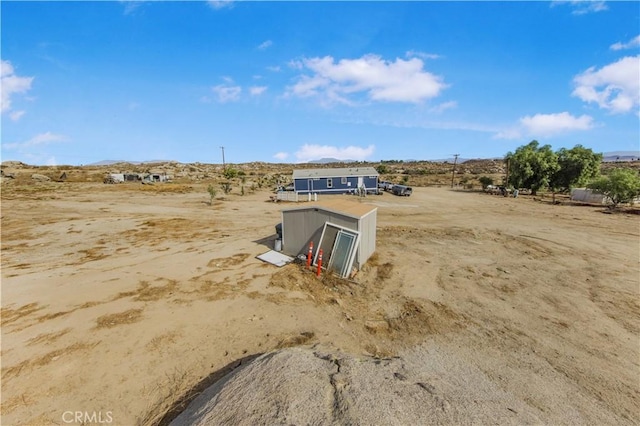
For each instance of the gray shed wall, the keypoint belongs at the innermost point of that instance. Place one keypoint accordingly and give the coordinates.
(299, 227)
(367, 230)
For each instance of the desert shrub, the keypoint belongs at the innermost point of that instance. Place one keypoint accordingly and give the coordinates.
(230, 173)
(212, 194)
(226, 187)
(382, 169)
(485, 181)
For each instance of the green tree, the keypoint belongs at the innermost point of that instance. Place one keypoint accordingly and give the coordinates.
(382, 169)
(212, 194)
(621, 186)
(485, 181)
(532, 166)
(578, 166)
(230, 173)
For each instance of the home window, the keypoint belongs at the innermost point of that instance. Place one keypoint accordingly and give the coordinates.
(329, 183)
(343, 180)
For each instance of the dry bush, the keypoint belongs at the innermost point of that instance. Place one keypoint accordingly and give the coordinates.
(28, 364)
(48, 337)
(147, 293)
(162, 340)
(166, 188)
(112, 320)
(384, 271)
(226, 262)
(8, 315)
(296, 340)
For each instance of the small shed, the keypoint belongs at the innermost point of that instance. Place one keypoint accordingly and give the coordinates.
(323, 222)
(157, 177)
(335, 180)
(116, 177)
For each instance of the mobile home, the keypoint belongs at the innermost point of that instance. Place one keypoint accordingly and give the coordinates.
(335, 181)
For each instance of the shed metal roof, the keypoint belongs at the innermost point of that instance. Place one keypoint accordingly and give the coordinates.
(335, 172)
(340, 206)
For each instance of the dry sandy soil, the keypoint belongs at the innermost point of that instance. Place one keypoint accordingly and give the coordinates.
(121, 299)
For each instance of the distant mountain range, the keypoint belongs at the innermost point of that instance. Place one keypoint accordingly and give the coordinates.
(607, 157)
(621, 156)
(109, 162)
(329, 160)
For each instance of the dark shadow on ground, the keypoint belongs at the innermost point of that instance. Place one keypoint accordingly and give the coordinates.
(267, 241)
(183, 402)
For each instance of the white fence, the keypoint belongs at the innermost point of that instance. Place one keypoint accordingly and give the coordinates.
(287, 196)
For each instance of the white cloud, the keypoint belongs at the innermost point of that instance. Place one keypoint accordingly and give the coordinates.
(264, 45)
(281, 156)
(546, 125)
(227, 93)
(34, 151)
(11, 84)
(634, 42)
(509, 133)
(551, 124)
(296, 64)
(274, 68)
(16, 115)
(310, 152)
(38, 140)
(220, 4)
(131, 6)
(582, 7)
(257, 90)
(443, 107)
(423, 55)
(615, 87)
(398, 81)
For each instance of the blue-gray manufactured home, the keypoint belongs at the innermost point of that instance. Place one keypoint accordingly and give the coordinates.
(335, 181)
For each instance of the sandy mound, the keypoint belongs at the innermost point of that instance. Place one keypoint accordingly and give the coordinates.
(307, 386)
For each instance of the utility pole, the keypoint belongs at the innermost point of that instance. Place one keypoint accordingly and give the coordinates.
(224, 167)
(453, 172)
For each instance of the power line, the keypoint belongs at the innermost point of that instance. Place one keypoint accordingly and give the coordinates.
(223, 164)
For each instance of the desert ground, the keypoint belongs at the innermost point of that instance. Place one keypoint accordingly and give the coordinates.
(123, 300)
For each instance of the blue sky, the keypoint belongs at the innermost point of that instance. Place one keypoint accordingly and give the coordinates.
(297, 81)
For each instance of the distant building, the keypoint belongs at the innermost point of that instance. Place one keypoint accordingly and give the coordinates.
(335, 181)
(116, 177)
(157, 177)
(131, 177)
